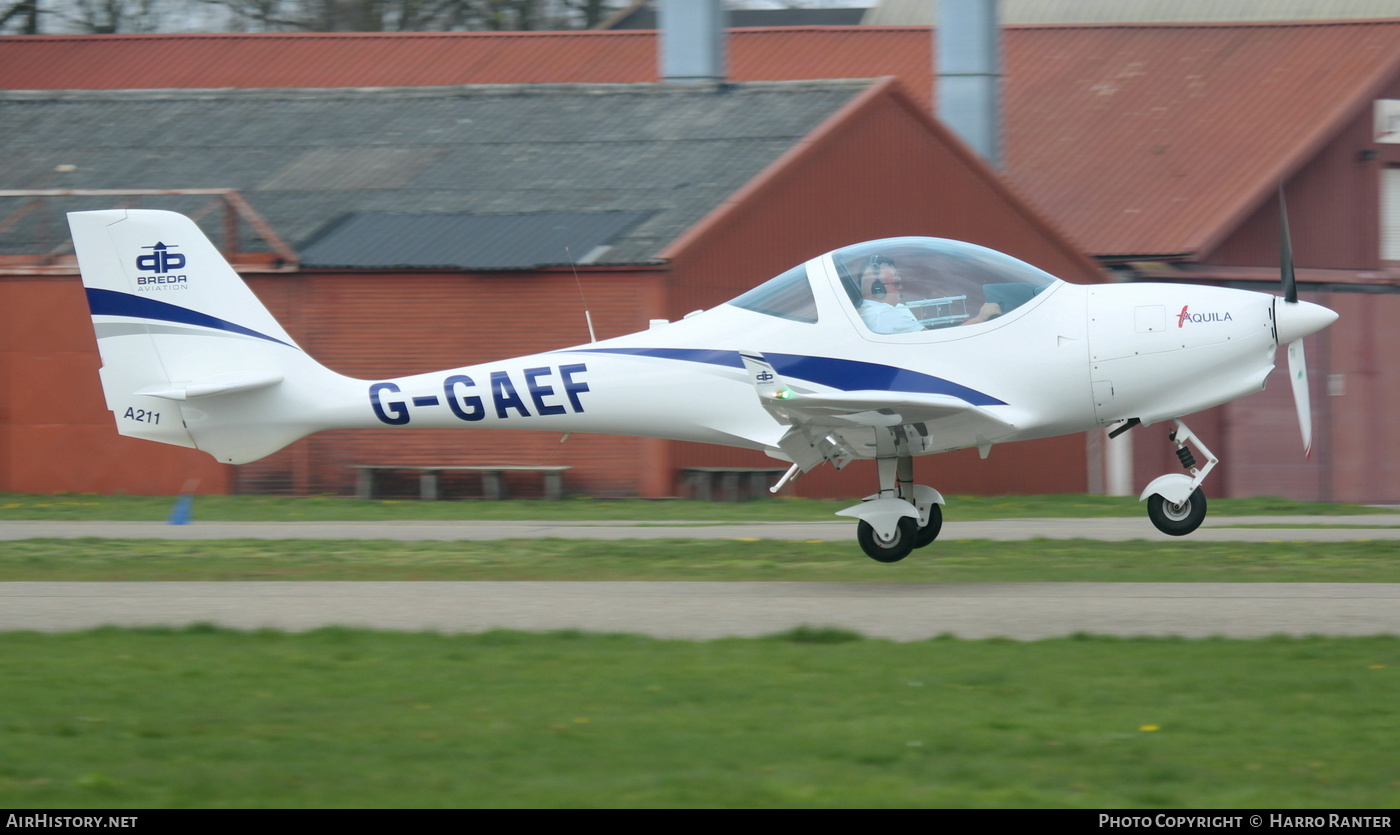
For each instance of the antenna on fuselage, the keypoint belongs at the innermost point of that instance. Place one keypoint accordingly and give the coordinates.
(587, 317)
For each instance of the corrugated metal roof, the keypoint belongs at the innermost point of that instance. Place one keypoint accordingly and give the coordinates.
(643, 16)
(915, 12)
(380, 240)
(1137, 139)
(669, 152)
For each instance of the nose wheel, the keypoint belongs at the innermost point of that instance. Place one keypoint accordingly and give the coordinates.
(1179, 518)
(1175, 503)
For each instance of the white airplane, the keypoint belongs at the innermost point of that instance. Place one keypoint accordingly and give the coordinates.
(816, 365)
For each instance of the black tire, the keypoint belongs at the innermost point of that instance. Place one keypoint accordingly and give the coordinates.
(896, 548)
(928, 533)
(1177, 519)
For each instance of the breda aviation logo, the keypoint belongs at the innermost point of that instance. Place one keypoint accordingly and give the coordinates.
(163, 262)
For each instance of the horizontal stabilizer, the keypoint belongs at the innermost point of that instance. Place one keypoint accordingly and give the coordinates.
(222, 384)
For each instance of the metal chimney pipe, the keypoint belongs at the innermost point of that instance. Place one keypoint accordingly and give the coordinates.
(969, 74)
(692, 40)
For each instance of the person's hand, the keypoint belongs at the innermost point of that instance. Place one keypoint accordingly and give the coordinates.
(990, 310)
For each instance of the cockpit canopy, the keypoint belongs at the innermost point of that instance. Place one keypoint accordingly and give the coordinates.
(942, 283)
(908, 284)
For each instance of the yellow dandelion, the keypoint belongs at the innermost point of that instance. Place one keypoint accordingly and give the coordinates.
(1149, 728)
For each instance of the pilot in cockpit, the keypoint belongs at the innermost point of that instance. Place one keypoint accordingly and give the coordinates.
(882, 305)
(882, 296)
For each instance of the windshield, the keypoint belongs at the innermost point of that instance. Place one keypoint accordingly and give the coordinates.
(904, 285)
(789, 296)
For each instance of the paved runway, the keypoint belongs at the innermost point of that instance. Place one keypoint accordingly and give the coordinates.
(1216, 529)
(699, 610)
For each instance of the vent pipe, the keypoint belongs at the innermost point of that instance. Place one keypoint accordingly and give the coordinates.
(692, 40)
(969, 74)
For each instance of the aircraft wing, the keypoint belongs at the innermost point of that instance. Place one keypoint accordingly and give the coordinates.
(877, 408)
(817, 418)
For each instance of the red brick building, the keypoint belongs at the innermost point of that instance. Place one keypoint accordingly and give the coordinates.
(734, 184)
(1158, 148)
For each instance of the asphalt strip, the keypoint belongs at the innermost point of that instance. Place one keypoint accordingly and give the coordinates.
(706, 610)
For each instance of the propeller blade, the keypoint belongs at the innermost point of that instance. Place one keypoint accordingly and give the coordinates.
(1285, 258)
(1298, 375)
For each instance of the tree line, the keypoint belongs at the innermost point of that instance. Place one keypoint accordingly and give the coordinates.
(107, 17)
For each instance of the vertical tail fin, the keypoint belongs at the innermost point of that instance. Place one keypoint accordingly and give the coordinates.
(176, 324)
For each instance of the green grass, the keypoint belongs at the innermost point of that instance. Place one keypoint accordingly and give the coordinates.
(75, 507)
(1311, 526)
(206, 718)
(1042, 560)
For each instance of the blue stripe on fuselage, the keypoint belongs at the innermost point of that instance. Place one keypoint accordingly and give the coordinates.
(111, 303)
(846, 375)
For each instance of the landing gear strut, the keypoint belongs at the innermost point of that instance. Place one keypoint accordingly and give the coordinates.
(903, 515)
(928, 531)
(1175, 503)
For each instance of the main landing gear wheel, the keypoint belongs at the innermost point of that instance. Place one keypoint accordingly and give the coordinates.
(928, 533)
(893, 549)
(1177, 519)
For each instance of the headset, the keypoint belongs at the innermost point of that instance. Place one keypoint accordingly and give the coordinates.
(877, 287)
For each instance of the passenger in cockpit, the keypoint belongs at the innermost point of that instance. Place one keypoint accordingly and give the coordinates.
(881, 306)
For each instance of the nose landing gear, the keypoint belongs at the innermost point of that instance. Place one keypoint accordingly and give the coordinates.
(1175, 503)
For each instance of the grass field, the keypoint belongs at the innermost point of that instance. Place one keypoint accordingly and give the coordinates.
(75, 507)
(203, 717)
(342, 718)
(1043, 560)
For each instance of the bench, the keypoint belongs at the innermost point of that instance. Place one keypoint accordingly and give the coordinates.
(492, 484)
(730, 484)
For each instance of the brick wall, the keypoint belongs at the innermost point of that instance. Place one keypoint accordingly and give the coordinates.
(56, 435)
(375, 326)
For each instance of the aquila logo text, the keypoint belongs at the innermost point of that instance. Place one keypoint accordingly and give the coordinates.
(1200, 318)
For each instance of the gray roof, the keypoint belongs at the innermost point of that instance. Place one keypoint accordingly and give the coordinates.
(380, 240)
(643, 16)
(306, 158)
(1012, 12)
